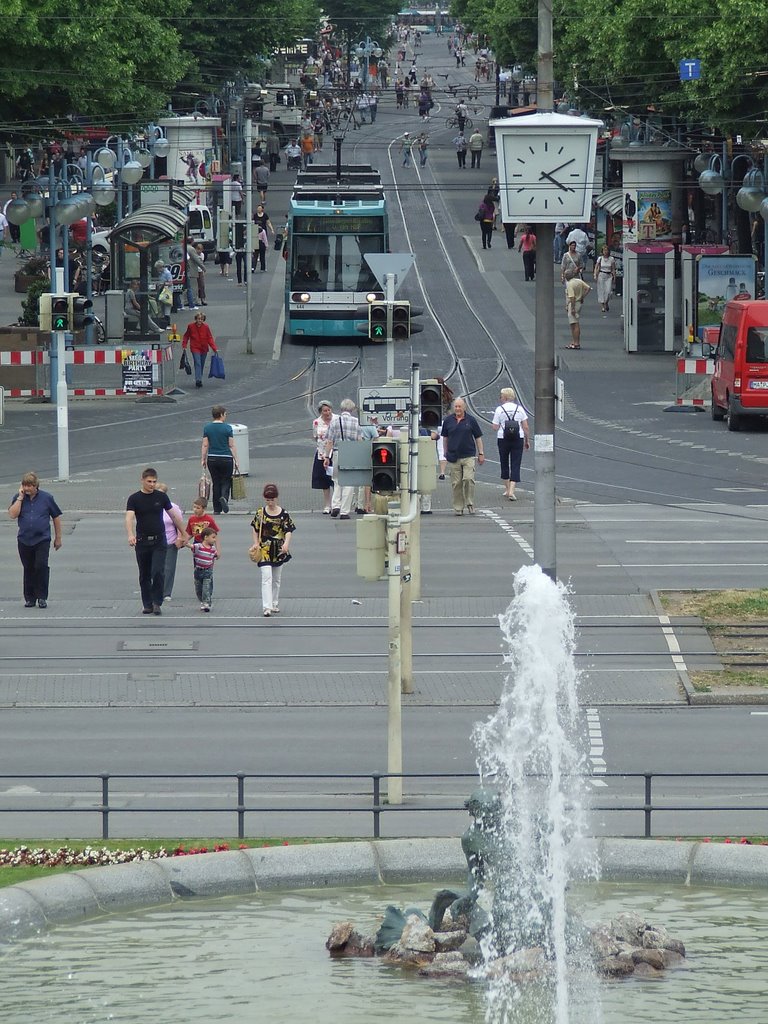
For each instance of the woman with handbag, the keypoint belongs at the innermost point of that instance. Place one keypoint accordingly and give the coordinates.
(322, 476)
(272, 529)
(200, 340)
(219, 455)
(164, 291)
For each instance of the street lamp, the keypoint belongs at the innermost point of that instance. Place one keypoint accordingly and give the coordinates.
(365, 51)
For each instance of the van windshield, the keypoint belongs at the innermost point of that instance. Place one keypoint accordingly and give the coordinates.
(757, 345)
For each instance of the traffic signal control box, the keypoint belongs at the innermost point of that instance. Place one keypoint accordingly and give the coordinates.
(431, 404)
(377, 321)
(385, 467)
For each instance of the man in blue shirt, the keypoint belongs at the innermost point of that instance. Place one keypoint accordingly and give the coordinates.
(35, 509)
(463, 445)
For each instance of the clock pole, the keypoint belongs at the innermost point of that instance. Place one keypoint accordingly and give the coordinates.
(544, 494)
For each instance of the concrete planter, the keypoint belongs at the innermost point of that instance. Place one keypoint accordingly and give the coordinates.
(21, 282)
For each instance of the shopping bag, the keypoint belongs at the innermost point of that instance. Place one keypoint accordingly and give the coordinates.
(165, 298)
(204, 486)
(217, 366)
(184, 362)
(238, 486)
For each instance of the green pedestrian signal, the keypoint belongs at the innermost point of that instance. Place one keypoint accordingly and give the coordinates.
(377, 321)
(60, 318)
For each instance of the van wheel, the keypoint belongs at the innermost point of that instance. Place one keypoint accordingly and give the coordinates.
(716, 411)
(734, 420)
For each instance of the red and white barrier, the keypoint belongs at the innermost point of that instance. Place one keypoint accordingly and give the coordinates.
(690, 392)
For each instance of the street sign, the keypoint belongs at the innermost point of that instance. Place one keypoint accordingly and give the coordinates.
(690, 70)
(395, 263)
(389, 405)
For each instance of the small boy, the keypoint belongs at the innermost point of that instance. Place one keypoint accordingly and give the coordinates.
(200, 520)
(204, 554)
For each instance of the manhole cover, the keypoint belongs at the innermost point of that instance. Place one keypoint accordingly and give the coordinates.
(157, 645)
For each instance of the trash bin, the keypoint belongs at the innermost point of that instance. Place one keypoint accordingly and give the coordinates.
(241, 447)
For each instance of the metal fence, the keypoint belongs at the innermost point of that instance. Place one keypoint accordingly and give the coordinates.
(246, 799)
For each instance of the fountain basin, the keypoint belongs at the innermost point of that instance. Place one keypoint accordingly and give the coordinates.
(31, 907)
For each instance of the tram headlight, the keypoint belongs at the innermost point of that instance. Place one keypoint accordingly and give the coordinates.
(304, 297)
(370, 297)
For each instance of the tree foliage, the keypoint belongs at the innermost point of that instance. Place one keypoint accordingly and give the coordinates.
(98, 58)
(356, 19)
(230, 37)
(510, 25)
(627, 53)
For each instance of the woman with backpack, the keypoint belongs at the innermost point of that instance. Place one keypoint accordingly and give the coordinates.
(510, 421)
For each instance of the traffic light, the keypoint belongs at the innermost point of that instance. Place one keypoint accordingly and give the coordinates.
(431, 404)
(377, 321)
(82, 316)
(61, 312)
(44, 311)
(385, 468)
(401, 320)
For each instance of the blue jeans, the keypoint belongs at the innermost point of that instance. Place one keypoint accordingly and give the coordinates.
(198, 359)
(191, 300)
(204, 585)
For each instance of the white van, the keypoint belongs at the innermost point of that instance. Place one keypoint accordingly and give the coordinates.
(200, 227)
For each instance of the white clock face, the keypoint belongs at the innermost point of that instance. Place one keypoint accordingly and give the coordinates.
(545, 177)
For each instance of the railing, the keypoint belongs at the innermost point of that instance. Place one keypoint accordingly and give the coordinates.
(377, 805)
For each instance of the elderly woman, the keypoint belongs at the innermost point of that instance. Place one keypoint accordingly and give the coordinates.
(164, 279)
(605, 276)
(572, 264)
(510, 421)
(322, 478)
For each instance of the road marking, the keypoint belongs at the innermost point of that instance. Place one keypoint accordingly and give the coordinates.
(681, 542)
(596, 747)
(509, 529)
(668, 633)
(278, 342)
(683, 565)
(758, 712)
(475, 253)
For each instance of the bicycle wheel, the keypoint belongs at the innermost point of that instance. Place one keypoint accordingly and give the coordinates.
(468, 122)
(99, 331)
(472, 92)
(450, 122)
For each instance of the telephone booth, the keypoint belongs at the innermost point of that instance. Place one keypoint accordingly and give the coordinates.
(689, 274)
(649, 287)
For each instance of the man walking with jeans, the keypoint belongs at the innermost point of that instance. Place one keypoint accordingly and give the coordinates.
(35, 510)
(463, 444)
(146, 535)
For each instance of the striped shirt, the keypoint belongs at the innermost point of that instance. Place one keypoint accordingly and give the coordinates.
(203, 556)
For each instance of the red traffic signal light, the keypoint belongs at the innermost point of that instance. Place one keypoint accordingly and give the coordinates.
(385, 468)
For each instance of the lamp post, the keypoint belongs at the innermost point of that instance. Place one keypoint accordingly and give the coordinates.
(365, 51)
(157, 144)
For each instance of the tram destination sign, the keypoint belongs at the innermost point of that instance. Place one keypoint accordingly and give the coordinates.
(388, 405)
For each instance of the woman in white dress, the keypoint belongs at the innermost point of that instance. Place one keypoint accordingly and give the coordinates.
(321, 480)
(605, 276)
(510, 420)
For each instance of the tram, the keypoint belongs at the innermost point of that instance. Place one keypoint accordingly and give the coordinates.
(336, 216)
(426, 19)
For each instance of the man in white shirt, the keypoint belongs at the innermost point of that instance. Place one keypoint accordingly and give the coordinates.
(581, 238)
(13, 229)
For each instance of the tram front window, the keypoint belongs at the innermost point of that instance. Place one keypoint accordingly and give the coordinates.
(334, 262)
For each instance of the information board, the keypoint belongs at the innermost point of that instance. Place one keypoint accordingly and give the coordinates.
(387, 405)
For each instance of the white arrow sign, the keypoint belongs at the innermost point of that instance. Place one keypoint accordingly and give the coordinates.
(396, 263)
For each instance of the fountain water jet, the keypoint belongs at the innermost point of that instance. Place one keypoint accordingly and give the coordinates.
(529, 750)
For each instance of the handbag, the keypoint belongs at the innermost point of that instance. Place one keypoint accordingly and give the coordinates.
(184, 362)
(217, 367)
(238, 486)
(165, 296)
(478, 216)
(204, 485)
(278, 242)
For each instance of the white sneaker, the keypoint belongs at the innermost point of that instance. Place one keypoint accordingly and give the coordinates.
(275, 611)
(167, 598)
(202, 607)
(267, 612)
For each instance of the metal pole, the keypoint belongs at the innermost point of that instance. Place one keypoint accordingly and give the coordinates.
(389, 295)
(62, 411)
(394, 703)
(544, 543)
(248, 234)
(409, 487)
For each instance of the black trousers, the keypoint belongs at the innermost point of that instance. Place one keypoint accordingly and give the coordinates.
(475, 154)
(486, 232)
(510, 457)
(150, 558)
(34, 560)
(220, 467)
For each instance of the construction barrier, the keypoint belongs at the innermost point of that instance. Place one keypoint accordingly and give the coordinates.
(92, 373)
(692, 379)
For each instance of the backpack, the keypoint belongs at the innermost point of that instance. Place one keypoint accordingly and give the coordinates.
(511, 427)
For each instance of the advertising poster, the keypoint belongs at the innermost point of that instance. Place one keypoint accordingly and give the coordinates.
(720, 279)
(629, 217)
(137, 372)
(654, 214)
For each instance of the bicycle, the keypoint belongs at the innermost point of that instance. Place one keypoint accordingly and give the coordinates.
(453, 122)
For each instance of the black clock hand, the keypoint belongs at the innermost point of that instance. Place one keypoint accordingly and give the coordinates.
(554, 181)
(556, 169)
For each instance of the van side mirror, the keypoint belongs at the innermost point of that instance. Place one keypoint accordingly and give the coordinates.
(709, 351)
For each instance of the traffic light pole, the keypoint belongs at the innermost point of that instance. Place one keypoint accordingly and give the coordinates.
(389, 295)
(400, 672)
(248, 234)
(62, 408)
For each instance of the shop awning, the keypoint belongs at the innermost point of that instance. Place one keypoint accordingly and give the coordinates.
(163, 220)
(611, 200)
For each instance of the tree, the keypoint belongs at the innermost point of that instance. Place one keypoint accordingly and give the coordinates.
(625, 53)
(231, 36)
(101, 58)
(510, 25)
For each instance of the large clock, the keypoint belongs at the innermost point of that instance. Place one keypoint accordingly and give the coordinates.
(546, 167)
